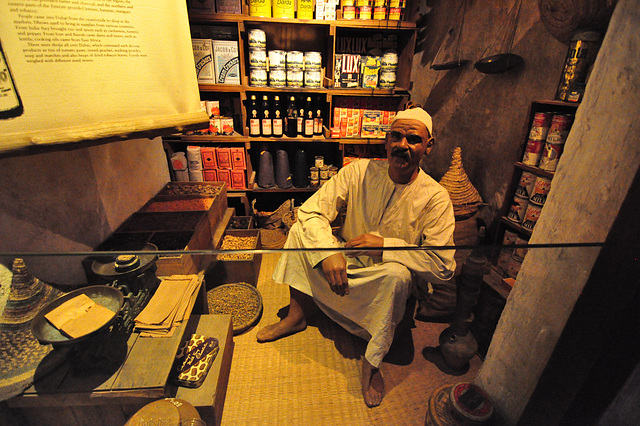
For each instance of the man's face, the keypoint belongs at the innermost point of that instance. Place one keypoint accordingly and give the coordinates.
(406, 143)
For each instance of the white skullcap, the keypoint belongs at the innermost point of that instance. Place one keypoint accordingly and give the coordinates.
(416, 114)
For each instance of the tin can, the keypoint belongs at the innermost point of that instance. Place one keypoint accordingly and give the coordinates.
(503, 260)
(532, 152)
(531, 216)
(517, 209)
(258, 77)
(515, 263)
(324, 172)
(277, 59)
(525, 186)
(294, 77)
(323, 181)
(284, 9)
(348, 12)
(305, 9)
(521, 252)
(509, 238)
(315, 173)
(277, 78)
(295, 59)
(559, 129)
(582, 52)
(312, 60)
(395, 13)
(257, 39)
(360, 3)
(314, 183)
(333, 170)
(379, 3)
(347, 2)
(387, 79)
(540, 126)
(396, 3)
(312, 78)
(389, 61)
(261, 8)
(258, 58)
(380, 13)
(319, 161)
(365, 12)
(540, 190)
(550, 156)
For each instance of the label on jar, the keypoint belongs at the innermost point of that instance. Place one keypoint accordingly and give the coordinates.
(312, 78)
(258, 58)
(387, 79)
(257, 39)
(294, 77)
(389, 61)
(277, 78)
(258, 77)
(312, 60)
(295, 59)
(319, 161)
(380, 13)
(261, 8)
(277, 59)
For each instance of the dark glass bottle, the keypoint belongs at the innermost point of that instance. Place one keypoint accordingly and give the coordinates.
(308, 118)
(10, 102)
(278, 121)
(292, 118)
(318, 121)
(265, 117)
(254, 117)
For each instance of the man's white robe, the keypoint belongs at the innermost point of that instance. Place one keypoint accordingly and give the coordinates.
(419, 213)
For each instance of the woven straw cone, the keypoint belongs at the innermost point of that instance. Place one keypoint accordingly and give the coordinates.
(464, 196)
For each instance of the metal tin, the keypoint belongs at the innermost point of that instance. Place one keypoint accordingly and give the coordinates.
(365, 12)
(559, 128)
(312, 60)
(324, 172)
(257, 39)
(515, 263)
(379, 3)
(509, 238)
(314, 183)
(521, 241)
(541, 188)
(582, 52)
(312, 78)
(258, 77)
(525, 186)
(380, 13)
(531, 216)
(389, 61)
(360, 3)
(261, 8)
(295, 59)
(532, 152)
(540, 126)
(333, 170)
(348, 12)
(517, 209)
(387, 79)
(277, 78)
(550, 156)
(258, 58)
(347, 3)
(315, 173)
(294, 77)
(319, 161)
(277, 59)
(284, 9)
(395, 13)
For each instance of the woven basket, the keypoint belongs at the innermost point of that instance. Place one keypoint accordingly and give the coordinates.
(464, 196)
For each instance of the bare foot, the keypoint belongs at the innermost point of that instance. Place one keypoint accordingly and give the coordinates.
(372, 384)
(283, 328)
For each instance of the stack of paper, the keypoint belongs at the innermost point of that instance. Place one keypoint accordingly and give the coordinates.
(168, 306)
(79, 316)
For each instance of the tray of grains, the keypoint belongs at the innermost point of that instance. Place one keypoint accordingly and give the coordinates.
(189, 204)
(191, 188)
(240, 300)
(232, 242)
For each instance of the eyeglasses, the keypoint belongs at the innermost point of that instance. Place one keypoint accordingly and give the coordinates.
(397, 136)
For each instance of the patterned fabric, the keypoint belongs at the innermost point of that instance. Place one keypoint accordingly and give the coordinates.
(194, 359)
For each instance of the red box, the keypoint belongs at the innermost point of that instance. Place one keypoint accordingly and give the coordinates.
(210, 175)
(208, 158)
(238, 158)
(237, 179)
(224, 158)
(225, 176)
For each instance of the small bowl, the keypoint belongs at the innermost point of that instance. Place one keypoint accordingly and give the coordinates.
(47, 334)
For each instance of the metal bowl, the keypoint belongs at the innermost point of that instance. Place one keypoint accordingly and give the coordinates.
(41, 328)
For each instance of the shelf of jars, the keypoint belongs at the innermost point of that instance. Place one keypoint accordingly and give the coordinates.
(375, 24)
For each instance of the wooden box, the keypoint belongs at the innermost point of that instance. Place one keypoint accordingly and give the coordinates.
(226, 271)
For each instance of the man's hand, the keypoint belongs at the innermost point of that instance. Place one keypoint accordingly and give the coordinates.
(365, 240)
(334, 268)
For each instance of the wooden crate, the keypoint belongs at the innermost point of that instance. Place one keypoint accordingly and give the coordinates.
(240, 270)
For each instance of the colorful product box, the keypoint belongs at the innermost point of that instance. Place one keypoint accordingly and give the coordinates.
(226, 61)
(370, 69)
(238, 159)
(208, 158)
(210, 175)
(225, 176)
(237, 179)
(223, 155)
(203, 56)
